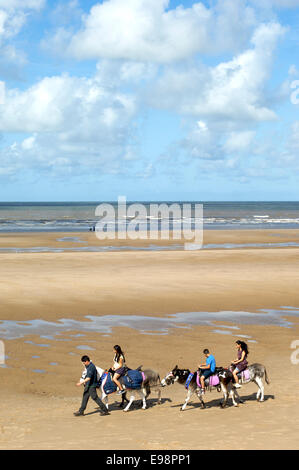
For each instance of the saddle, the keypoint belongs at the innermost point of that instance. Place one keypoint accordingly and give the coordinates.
(244, 375)
(107, 383)
(131, 380)
(212, 381)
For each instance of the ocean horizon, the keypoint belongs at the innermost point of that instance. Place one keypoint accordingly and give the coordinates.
(79, 216)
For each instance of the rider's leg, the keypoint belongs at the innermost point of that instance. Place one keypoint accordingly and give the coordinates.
(236, 384)
(117, 382)
(202, 381)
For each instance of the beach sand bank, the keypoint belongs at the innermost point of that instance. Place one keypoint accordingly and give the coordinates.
(38, 393)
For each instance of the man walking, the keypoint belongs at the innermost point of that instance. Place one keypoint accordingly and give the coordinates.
(90, 383)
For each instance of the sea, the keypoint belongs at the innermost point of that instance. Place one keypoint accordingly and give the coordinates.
(81, 216)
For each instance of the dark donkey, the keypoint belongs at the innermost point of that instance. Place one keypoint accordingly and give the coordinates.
(181, 376)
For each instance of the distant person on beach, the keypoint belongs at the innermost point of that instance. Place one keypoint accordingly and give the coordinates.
(239, 364)
(207, 369)
(90, 384)
(119, 367)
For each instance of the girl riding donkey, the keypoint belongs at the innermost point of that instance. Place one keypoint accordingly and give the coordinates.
(240, 363)
(119, 367)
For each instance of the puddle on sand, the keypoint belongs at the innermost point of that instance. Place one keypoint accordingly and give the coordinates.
(147, 325)
(70, 239)
(37, 344)
(151, 247)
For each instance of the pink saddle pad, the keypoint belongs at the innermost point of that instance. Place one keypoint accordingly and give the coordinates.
(245, 375)
(214, 380)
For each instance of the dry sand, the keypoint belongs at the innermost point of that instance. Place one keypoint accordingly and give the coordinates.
(37, 408)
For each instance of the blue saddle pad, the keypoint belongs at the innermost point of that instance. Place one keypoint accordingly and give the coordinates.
(109, 385)
(133, 379)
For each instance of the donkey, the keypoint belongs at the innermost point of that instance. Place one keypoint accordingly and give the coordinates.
(254, 373)
(149, 379)
(184, 377)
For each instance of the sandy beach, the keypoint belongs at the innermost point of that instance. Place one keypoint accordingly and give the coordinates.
(38, 392)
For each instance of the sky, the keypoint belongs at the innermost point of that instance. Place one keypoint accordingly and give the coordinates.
(149, 99)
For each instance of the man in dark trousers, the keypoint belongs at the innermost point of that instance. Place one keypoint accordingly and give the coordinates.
(90, 384)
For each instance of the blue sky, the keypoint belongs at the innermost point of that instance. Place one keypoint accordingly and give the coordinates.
(152, 99)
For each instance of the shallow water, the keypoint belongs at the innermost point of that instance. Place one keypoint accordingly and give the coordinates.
(80, 216)
(174, 247)
(147, 325)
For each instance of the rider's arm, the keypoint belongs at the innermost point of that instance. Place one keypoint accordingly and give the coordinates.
(242, 358)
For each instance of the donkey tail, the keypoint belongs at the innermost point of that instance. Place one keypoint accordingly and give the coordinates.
(266, 377)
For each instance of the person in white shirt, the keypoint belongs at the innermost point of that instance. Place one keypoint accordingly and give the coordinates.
(119, 367)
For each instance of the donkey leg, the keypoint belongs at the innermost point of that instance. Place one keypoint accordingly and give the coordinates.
(142, 394)
(233, 395)
(225, 395)
(237, 396)
(260, 392)
(200, 396)
(123, 400)
(105, 400)
(189, 394)
(132, 398)
(159, 397)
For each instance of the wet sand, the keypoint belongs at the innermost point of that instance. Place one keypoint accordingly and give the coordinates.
(38, 392)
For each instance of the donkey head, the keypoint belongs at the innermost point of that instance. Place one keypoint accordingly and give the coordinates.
(170, 378)
(173, 376)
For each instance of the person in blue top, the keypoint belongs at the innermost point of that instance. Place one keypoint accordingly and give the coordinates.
(207, 369)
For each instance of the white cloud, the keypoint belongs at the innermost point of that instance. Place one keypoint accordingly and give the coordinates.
(74, 125)
(150, 30)
(239, 141)
(13, 16)
(28, 143)
(212, 144)
(65, 104)
(232, 92)
(22, 4)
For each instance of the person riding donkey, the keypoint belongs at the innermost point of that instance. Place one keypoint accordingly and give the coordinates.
(239, 364)
(119, 367)
(207, 369)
